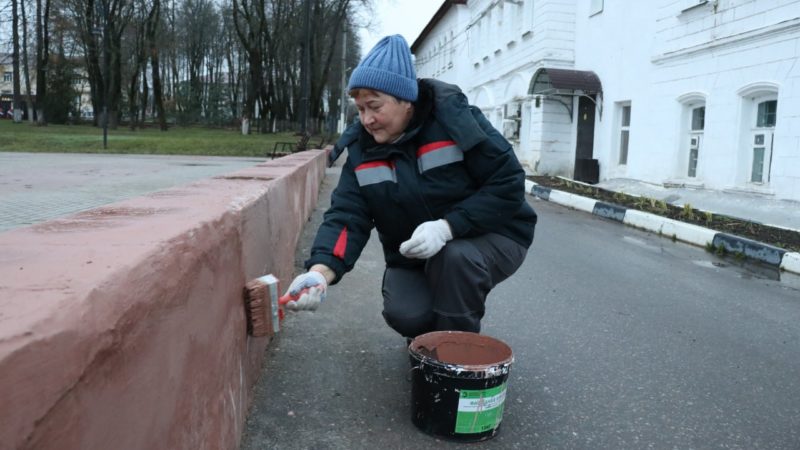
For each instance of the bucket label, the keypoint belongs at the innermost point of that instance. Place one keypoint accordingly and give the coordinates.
(480, 411)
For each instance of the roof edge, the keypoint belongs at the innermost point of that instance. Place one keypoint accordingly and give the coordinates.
(437, 16)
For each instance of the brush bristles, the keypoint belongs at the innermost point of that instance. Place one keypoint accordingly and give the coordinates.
(258, 310)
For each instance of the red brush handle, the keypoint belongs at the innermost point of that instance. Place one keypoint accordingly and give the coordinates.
(292, 298)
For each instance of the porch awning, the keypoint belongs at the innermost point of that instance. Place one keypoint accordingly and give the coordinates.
(564, 82)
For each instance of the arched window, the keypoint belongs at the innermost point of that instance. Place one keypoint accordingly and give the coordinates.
(759, 117)
(692, 131)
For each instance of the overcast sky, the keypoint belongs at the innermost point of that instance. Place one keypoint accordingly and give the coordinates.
(406, 17)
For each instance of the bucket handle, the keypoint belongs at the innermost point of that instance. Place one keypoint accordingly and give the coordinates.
(408, 374)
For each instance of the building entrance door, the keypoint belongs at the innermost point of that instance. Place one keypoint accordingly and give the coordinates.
(586, 168)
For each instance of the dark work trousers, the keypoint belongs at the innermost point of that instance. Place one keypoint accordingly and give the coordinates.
(449, 293)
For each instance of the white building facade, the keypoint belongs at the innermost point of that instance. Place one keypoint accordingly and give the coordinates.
(700, 93)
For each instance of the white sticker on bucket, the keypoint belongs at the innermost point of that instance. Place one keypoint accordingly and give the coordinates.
(480, 411)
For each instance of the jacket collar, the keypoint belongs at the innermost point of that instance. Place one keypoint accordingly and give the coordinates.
(451, 109)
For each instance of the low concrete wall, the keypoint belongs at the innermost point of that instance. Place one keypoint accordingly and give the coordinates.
(124, 327)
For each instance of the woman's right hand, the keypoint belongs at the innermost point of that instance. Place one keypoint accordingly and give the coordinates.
(306, 292)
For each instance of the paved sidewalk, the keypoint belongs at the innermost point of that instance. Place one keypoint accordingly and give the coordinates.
(753, 207)
(35, 187)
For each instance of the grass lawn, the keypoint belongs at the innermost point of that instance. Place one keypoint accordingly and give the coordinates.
(24, 137)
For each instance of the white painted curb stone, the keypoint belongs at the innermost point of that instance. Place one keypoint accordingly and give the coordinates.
(573, 201)
(791, 262)
(685, 232)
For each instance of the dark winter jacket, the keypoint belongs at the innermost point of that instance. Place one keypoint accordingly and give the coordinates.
(450, 163)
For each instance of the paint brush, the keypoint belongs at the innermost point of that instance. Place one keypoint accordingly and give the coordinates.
(261, 306)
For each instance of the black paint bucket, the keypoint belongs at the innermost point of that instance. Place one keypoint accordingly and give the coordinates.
(458, 384)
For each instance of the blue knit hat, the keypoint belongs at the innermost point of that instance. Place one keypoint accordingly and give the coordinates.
(387, 68)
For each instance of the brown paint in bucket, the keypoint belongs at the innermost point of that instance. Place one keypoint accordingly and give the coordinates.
(459, 384)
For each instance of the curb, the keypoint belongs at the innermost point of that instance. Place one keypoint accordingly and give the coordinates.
(686, 232)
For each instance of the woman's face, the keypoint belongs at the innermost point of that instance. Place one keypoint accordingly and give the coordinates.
(383, 116)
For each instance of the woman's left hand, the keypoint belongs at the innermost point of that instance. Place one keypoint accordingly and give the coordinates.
(427, 239)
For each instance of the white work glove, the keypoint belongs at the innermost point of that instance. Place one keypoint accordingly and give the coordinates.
(427, 239)
(306, 291)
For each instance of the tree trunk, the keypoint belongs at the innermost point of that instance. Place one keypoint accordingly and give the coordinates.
(145, 92)
(16, 106)
(231, 83)
(89, 23)
(158, 97)
(153, 19)
(133, 90)
(139, 64)
(42, 57)
(25, 66)
(115, 84)
(326, 45)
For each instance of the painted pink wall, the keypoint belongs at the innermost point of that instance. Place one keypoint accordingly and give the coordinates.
(123, 327)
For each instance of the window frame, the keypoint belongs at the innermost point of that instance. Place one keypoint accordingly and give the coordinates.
(768, 143)
(623, 130)
(595, 7)
(695, 134)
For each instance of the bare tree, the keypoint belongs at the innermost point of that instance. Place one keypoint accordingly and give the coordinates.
(26, 73)
(151, 31)
(15, 61)
(136, 53)
(233, 61)
(199, 23)
(101, 26)
(59, 103)
(42, 57)
(251, 25)
(198, 60)
(283, 63)
(328, 18)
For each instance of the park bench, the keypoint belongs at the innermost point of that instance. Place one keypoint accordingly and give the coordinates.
(284, 148)
(291, 147)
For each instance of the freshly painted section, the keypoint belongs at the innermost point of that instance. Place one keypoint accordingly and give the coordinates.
(124, 326)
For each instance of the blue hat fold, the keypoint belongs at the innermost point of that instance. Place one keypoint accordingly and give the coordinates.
(387, 68)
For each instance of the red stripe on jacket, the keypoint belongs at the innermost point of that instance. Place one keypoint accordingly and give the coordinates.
(374, 164)
(341, 244)
(433, 146)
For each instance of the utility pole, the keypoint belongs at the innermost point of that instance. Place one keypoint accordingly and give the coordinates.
(305, 68)
(343, 100)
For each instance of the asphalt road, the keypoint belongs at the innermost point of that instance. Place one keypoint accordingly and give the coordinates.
(622, 340)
